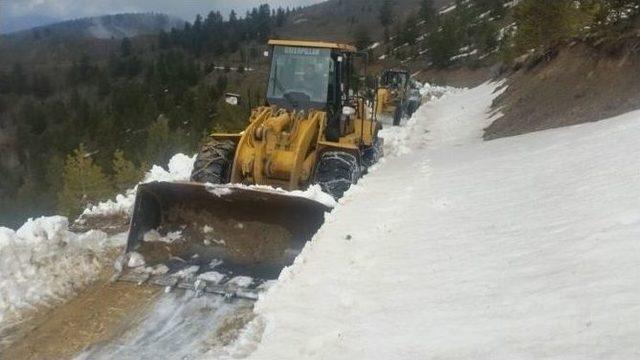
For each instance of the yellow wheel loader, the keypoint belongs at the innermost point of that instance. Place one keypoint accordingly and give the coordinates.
(229, 221)
(392, 95)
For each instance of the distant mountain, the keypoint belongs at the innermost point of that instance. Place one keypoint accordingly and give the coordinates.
(104, 27)
(19, 23)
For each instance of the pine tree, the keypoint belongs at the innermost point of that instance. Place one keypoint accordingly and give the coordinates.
(125, 47)
(443, 45)
(428, 13)
(386, 13)
(41, 86)
(158, 140)
(409, 31)
(221, 83)
(281, 16)
(544, 24)
(125, 174)
(53, 176)
(17, 79)
(83, 183)
(362, 39)
(164, 41)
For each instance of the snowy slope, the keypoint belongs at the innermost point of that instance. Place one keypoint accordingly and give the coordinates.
(454, 248)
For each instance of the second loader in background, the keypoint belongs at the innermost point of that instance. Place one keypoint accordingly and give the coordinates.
(398, 96)
(216, 234)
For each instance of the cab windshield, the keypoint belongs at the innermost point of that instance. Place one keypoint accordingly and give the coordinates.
(300, 77)
(395, 79)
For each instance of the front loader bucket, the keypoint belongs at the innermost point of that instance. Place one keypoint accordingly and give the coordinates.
(244, 231)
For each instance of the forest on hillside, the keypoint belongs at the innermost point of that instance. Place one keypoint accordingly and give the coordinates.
(88, 128)
(115, 117)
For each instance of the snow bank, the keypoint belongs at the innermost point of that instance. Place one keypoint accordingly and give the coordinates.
(525, 248)
(398, 140)
(313, 192)
(43, 262)
(179, 169)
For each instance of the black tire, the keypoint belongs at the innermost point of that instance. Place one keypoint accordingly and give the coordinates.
(411, 108)
(336, 171)
(213, 163)
(397, 115)
(371, 155)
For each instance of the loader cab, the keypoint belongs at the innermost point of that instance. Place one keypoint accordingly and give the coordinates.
(309, 75)
(395, 79)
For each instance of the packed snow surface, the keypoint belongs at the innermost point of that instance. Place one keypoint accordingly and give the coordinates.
(454, 248)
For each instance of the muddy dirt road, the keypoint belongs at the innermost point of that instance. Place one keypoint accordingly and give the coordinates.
(126, 321)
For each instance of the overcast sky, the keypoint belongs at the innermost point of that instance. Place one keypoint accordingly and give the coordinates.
(20, 14)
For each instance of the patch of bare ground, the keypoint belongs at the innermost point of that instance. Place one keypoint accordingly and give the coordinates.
(98, 313)
(110, 224)
(577, 84)
(231, 326)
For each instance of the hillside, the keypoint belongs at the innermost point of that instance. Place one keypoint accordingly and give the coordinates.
(580, 83)
(150, 96)
(102, 27)
(58, 45)
(339, 20)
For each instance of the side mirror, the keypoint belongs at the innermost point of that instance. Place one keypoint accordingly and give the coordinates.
(232, 99)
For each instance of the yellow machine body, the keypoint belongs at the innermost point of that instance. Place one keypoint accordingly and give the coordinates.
(387, 99)
(392, 93)
(280, 148)
(224, 226)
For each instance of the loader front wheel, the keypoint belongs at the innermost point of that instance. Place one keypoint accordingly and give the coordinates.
(336, 172)
(213, 163)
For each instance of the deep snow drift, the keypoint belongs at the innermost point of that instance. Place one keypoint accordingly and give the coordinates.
(179, 169)
(44, 262)
(455, 248)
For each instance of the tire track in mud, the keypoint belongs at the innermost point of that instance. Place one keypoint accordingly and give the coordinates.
(96, 314)
(126, 321)
(178, 326)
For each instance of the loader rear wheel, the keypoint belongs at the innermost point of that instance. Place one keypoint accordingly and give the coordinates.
(336, 172)
(397, 115)
(213, 163)
(371, 155)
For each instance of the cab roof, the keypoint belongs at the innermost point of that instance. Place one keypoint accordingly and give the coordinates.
(314, 44)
